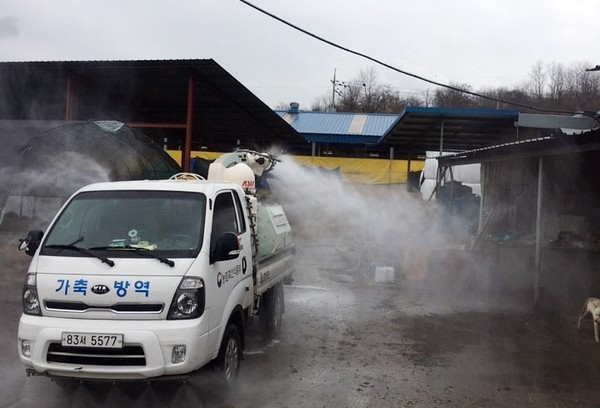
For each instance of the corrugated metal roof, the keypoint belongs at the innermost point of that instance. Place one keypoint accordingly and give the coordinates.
(416, 128)
(151, 91)
(542, 146)
(341, 127)
(420, 128)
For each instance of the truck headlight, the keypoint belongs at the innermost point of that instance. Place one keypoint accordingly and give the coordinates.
(26, 348)
(188, 302)
(178, 354)
(31, 301)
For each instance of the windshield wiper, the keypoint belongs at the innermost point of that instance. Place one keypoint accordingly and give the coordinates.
(84, 251)
(140, 251)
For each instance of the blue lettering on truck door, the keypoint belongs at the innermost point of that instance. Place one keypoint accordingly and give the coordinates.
(80, 286)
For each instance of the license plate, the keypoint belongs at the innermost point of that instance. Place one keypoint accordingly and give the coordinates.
(96, 340)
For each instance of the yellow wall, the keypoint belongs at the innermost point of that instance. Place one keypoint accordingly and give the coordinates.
(352, 170)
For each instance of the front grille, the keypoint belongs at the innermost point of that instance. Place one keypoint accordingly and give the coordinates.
(61, 306)
(126, 356)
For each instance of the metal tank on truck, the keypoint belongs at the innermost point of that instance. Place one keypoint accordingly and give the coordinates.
(156, 278)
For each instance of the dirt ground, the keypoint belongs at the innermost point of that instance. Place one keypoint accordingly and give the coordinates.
(348, 341)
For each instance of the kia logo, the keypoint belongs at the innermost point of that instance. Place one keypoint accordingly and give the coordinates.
(100, 289)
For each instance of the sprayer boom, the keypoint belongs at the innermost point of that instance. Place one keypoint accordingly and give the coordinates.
(259, 162)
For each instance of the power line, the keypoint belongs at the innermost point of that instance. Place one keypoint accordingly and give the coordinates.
(410, 74)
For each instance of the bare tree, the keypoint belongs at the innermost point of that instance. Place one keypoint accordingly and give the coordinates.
(365, 94)
(321, 104)
(538, 78)
(451, 98)
(282, 106)
(549, 86)
(557, 83)
(351, 97)
(582, 89)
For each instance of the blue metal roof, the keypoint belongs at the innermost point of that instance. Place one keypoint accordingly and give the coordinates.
(341, 127)
(416, 129)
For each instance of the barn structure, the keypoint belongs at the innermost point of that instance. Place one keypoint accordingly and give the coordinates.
(539, 226)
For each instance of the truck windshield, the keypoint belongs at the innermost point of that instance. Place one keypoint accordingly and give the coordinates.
(124, 223)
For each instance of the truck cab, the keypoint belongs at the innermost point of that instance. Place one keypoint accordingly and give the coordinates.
(144, 279)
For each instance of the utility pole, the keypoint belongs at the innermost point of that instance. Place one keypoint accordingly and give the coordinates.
(334, 85)
(333, 90)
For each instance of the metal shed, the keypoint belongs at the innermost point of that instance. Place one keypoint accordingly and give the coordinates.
(539, 214)
(183, 104)
(422, 129)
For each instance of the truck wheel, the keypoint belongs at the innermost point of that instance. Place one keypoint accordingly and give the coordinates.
(288, 280)
(272, 311)
(230, 354)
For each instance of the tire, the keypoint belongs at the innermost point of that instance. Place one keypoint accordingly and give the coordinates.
(272, 311)
(230, 355)
(288, 280)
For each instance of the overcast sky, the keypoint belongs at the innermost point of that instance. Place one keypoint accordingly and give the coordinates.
(484, 43)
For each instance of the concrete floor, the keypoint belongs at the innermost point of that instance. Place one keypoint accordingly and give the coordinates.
(350, 342)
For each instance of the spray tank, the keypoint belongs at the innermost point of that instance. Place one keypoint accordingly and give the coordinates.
(242, 167)
(270, 225)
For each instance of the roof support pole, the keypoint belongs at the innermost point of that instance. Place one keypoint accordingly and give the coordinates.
(187, 150)
(391, 164)
(69, 100)
(482, 172)
(442, 138)
(538, 236)
(438, 179)
(408, 165)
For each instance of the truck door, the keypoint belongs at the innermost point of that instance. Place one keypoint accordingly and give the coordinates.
(227, 277)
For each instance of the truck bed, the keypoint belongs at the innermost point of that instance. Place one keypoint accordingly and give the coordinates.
(274, 268)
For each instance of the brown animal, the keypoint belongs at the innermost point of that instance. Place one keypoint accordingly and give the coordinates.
(591, 306)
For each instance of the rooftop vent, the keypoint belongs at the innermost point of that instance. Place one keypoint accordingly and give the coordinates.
(294, 107)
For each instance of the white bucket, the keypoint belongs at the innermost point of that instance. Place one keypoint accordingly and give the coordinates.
(384, 274)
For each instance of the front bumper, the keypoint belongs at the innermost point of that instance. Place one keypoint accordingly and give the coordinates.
(153, 339)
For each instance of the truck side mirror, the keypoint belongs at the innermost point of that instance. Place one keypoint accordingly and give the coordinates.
(31, 242)
(226, 247)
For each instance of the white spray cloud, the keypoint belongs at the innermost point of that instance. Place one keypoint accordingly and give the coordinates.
(374, 226)
(37, 190)
(383, 224)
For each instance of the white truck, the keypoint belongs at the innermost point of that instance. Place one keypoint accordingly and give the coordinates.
(144, 279)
